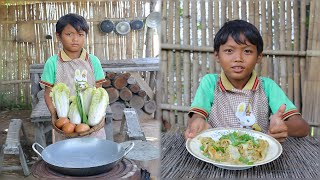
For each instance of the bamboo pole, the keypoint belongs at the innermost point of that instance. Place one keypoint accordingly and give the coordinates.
(269, 40)
(283, 66)
(223, 12)
(164, 60)
(195, 59)
(244, 9)
(186, 55)
(296, 76)
(251, 11)
(264, 63)
(204, 56)
(171, 93)
(229, 7)
(302, 43)
(216, 29)
(210, 32)
(276, 40)
(178, 61)
(235, 9)
(289, 60)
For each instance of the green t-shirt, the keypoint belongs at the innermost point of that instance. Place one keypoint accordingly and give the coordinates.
(49, 72)
(204, 97)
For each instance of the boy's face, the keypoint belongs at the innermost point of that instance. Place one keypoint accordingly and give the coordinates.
(238, 60)
(72, 40)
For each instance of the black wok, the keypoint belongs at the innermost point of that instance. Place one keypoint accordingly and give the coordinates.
(82, 156)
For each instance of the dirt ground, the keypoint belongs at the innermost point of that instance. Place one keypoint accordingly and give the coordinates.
(150, 127)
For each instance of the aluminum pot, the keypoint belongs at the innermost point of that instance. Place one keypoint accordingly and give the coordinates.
(82, 156)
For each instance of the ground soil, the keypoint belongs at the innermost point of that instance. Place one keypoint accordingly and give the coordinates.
(150, 127)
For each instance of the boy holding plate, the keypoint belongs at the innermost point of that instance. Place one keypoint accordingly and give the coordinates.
(237, 97)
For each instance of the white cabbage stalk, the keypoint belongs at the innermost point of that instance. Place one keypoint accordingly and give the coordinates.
(60, 98)
(74, 114)
(86, 97)
(99, 103)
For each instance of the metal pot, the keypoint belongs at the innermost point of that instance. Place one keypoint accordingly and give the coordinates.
(82, 156)
(123, 27)
(136, 24)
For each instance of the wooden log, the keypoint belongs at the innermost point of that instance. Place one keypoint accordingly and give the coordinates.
(135, 88)
(131, 80)
(111, 75)
(113, 94)
(142, 93)
(117, 110)
(150, 107)
(136, 102)
(107, 83)
(126, 75)
(125, 94)
(119, 82)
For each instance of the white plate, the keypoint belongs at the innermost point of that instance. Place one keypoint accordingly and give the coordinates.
(193, 146)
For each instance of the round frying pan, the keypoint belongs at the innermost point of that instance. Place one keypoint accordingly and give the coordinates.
(82, 156)
(106, 26)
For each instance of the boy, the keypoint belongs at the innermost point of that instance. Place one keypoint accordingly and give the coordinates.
(237, 97)
(71, 31)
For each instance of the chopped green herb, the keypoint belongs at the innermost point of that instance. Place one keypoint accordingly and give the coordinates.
(202, 147)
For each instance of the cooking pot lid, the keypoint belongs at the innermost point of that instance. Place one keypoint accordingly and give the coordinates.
(153, 20)
(106, 26)
(123, 27)
(136, 24)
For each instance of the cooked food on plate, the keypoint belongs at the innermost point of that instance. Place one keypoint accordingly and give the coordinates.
(234, 148)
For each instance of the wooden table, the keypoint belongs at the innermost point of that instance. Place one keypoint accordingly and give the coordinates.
(300, 159)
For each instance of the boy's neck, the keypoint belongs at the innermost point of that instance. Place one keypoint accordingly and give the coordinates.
(243, 84)
(73, 55)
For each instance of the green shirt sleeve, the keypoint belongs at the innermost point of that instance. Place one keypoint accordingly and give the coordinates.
(97, 68)
(48, 76)
(276, 97)
(204, 96)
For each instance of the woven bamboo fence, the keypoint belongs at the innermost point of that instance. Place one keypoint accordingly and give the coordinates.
(28, 37)
(290, 30)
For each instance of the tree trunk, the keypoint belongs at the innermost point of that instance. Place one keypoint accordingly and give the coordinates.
(136, 102)
(149, 107)
(117, 110)
(120, 82)
(113, 94)
(107, 83)
(125, 94)
(135, 88)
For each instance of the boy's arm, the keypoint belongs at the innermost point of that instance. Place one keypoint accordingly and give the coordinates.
(297, 126)
(49, 103)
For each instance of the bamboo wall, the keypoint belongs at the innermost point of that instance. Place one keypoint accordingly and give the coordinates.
(17, 54)
(188, 29)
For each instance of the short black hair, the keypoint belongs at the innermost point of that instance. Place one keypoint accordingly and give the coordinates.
(76, 21)
(234, 29)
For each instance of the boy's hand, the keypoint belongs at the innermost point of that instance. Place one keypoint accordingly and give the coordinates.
(277, 128)
(195, 126)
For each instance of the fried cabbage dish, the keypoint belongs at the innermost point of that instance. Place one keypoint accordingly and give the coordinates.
(235, 148)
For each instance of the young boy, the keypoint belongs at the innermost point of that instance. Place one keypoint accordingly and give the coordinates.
(237, 97)
(71, 31)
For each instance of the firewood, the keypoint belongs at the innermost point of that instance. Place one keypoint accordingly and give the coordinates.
(111, 75)
(113, 94)
(150, 107)
(142, 93)
(117, 110)
(119, 82)
(125, 94)
(136, 102)
(131, 80)
(135, 88)
(126, 75)
(107, 83)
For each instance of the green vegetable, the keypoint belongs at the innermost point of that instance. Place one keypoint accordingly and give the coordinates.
(245, 161)
(202, 147)
(80, 106)
(99, 103)
(74, 114)
(87, 96)
(60, 97)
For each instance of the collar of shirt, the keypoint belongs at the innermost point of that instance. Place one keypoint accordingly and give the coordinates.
(64, 57)
(225, 84)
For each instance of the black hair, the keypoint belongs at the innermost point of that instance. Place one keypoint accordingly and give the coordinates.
(234, 29)
(76, 21)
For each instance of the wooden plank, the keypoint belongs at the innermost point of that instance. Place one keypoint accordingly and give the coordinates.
(143, 84)
(134, 130)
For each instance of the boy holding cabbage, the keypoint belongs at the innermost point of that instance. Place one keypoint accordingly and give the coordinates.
(73, 66)
(237, 97)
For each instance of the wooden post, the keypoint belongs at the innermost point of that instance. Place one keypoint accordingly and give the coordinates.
(296, 76)
(289, 60)
(276, 40)
(283, 65)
